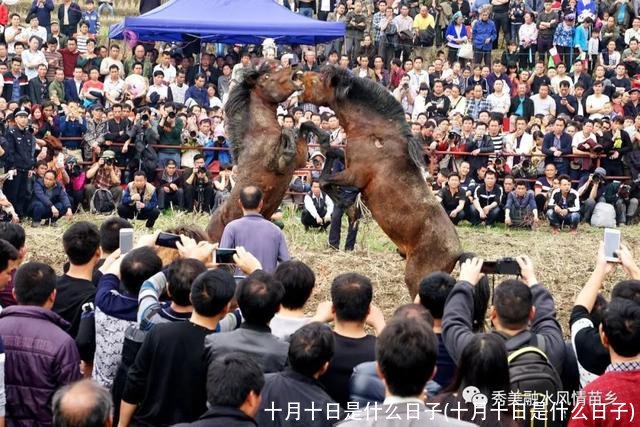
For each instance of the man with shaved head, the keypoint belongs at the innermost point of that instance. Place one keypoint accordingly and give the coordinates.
(82, 404)
(255, 233)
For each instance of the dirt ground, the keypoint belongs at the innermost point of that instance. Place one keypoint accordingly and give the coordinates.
(563, 261)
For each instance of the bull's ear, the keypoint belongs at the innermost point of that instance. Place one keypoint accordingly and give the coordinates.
(335, 80)
(251, 78)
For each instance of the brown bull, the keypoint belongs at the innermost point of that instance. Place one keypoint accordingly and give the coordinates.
(266, 155)
(385, 162)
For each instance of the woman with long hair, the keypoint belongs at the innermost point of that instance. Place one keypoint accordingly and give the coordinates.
(482, 365)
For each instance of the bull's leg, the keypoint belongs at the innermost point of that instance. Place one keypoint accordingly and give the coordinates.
(284, 153)
(308, 127)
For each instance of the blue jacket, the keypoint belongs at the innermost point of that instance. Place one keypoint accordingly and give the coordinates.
(563, 36)
(483, 30)
(451, 31)
(112, 302)
(56, 194)
(581, 7)
(72, 128)
(42, 13)
(581, 38)
(93, 19)
(149, 197)
(565, 147)
(198, 95)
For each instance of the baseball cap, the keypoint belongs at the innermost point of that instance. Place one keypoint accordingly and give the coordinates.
(108, 155)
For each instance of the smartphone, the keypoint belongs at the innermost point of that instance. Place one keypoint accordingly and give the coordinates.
(167, 240)
(224, 256)
(611, 244)
(126, 240)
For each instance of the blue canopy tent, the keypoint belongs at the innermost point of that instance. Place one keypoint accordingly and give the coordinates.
(226, 21)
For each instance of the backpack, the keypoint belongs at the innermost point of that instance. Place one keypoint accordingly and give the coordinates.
(426, 37)
(531, 372)
(102, 202)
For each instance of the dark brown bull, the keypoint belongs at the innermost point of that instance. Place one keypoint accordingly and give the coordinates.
(385, 162)
(266, 155)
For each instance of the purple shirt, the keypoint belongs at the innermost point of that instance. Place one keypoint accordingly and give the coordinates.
(260, 237)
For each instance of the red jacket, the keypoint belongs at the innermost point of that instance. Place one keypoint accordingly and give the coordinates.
(69, 61)
(619, 390)
(4, 14)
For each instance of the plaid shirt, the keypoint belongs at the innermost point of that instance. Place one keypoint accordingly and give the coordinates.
(623, 367)
(375, 26)
(102, 178)
(474, 106)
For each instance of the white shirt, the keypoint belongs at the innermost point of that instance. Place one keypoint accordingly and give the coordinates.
(169, 72)
(631, 34)
(178, 92)
(579, 138)
(526, 144)
(499, 103)
(310, 207)
(415, 78)
(555, 83)
(113, 88)
(163, 91)
(31, 61)
(39, 32)
(543, 106)
(597, 102)
(528, 33)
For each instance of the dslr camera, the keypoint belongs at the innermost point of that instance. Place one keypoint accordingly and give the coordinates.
(171, 115)
(507, 266)
(108, 161)
(597, 178)
(144, 117)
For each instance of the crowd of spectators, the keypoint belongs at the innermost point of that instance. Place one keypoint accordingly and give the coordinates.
(163, 336)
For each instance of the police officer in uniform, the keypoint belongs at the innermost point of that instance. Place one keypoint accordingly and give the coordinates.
(19, 157)
(318, 208)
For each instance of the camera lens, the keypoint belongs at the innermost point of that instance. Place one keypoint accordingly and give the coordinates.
(192, 134)
(145, 117)
(202, 169)
(172, 115)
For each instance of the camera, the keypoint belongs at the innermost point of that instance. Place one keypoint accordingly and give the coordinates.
(108, 161)
(508, 266)
(192, 134)
(526, 163)
(597, 178)
(144, 117)
(405, 86)
(171, 115)
(202, 169)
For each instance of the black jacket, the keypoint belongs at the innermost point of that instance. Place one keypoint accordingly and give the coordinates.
(486, 146)
(527, 108)
(291, 386)
(258, 341)
(562, 109)
(38, 91)
(222, 416)
(19, 149)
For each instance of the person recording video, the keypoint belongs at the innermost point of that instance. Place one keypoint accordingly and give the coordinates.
(198, 187)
